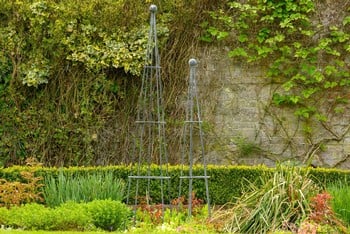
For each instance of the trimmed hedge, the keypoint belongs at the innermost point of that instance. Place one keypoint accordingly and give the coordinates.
(225, 182)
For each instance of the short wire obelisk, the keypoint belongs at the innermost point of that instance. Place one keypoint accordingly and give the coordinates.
(193, 129)
(150, 142)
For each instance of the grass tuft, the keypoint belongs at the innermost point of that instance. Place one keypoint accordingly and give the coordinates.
(79, 188)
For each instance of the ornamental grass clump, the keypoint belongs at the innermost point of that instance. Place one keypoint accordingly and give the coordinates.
(340, 202)
(280, 203)
(82, 188)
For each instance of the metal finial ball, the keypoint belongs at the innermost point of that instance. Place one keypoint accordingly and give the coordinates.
(192, 62)
(153, 8)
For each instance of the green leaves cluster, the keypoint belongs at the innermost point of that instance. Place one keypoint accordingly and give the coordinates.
(305, 50)
(64, 68)
(39, 35)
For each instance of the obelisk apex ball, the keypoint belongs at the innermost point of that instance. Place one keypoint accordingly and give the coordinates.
(192, 62)
(153, 8)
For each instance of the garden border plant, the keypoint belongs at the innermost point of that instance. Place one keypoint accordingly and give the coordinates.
(99, 185)
(106, 215)
(287, 200)
(226, 182)
(276, 179)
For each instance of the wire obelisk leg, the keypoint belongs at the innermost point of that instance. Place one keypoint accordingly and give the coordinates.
(150, 142)
(192, 132)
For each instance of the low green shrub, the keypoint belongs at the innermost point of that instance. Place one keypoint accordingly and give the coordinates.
(109, 215)
(4, 215)
(81, 188)
(31, 216)
(71, 216)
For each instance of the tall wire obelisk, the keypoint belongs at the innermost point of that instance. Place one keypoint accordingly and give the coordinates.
(193, 129)
(150, 142)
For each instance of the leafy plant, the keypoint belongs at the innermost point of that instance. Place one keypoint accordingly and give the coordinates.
(321, 212)
(30, 217)
(281, 202)
(82, 188)
(98, 214)
(15, 193)
(182, 203)
(109, 215)
(71, 216)
(321, 216)
(149, 213)
(155, 214)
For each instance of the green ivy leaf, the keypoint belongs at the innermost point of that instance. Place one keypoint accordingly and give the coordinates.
(330, 84)
(294, 99)
(305, 112)
(333, 52)
(242, 38)
(342, 100)
(330, 69)
(238, 52)
(321, 118)
(301, 53)
(339, 110)
(318, 76)
(308, 33)
(347, 47)
(263, 51)
(278, 99)
(346, 20)
(222, 35)
(299, 76)
(206, 38)
(263, 35)
(288, 85)
(308, 92)
(344, 82)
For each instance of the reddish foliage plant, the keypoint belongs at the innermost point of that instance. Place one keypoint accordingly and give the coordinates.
(322, 212)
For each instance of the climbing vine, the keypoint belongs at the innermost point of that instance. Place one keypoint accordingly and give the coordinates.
(305, 48)
(307, 57)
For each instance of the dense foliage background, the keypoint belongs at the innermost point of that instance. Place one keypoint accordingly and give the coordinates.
(70, 72)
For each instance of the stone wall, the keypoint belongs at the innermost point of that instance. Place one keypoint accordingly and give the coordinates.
(244, 127)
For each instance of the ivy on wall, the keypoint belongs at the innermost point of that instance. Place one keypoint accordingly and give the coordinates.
(304, 46)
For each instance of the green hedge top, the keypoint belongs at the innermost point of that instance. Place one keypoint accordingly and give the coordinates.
(225, 182)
